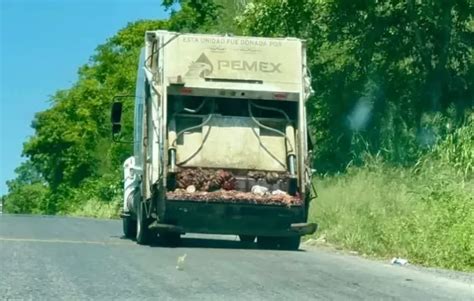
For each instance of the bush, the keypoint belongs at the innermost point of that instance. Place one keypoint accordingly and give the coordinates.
(98, 197)
(425, 214)
(97, 208)
(26, 199)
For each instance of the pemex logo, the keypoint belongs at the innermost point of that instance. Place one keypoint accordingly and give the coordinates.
(202, 67)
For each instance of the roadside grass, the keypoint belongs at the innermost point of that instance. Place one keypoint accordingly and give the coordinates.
(99, 198)
(424, 215)
(98, 209)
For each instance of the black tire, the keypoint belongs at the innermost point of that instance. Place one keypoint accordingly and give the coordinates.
(247, 238)
(170, 239)
(144, 234)
(291, 243)
(265, 242)
(129, 227)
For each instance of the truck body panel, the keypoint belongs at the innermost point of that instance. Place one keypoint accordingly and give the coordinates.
(231, 218)
(229, 63)
(230, 133)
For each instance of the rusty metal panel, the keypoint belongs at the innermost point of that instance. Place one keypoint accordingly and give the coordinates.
(230, 142)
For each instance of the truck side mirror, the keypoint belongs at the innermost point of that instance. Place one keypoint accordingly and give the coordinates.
(116, 117)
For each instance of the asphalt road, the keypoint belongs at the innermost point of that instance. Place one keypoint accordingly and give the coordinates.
(52, 258)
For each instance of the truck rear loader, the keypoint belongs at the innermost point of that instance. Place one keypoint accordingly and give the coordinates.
(221, 144)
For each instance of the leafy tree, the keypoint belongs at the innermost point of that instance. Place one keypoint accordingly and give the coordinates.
(212, 16)
(379, 67)
(27, 192)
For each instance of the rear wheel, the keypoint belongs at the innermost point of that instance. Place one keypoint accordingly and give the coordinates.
(129, 227)
(170, 239)
(247, 238)
(265, 242)
(291, 243)
(144, 234)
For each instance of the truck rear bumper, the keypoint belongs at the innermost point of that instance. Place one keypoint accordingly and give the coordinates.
(295, 229)
(304, 228)
(236, 219)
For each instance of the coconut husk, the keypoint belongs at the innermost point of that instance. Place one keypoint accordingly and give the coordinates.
(233, 196)
(205, 180)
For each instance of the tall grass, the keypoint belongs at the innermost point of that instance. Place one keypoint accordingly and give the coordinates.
(97, 208)
(99, 197)
(425, 213)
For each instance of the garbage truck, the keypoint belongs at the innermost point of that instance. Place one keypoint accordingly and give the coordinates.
(220, 140)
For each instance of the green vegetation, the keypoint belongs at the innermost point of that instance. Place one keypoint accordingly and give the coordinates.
(424, 213)
(392, 119)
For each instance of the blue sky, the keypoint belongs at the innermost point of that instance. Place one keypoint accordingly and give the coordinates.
(42, 44)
